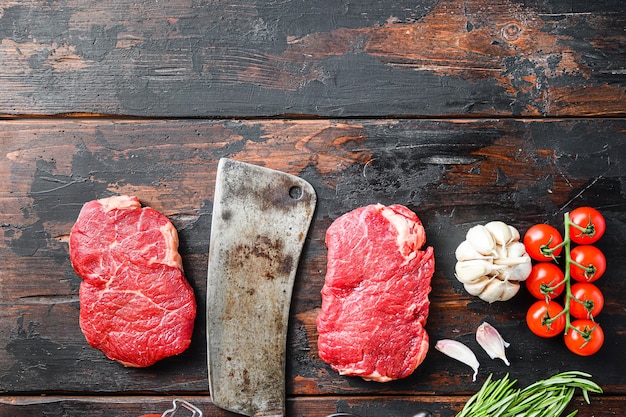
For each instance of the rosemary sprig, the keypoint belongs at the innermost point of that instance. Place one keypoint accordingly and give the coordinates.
(548, 397)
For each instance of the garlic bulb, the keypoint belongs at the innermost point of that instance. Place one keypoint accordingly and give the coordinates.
(492, 261)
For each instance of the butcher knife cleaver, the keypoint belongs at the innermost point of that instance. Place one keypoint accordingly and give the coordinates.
(260, 220)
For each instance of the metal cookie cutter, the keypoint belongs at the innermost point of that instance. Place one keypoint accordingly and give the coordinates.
(177, 410)
(423, 413)
(342, 415)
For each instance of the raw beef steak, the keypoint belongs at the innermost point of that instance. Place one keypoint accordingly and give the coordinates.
(375, 297)
(135, 304)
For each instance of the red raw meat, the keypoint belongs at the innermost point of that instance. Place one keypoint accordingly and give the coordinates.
(375, 297)
(135, 304)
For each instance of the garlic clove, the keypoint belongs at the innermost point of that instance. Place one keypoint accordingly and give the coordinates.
(460, 352)
(492, 342)
(481, 239)
(500, 232)
(515, 236)
(514, 254)
(491, 291)
(516, 250)
(508, 290)
(478, 286)
(465, 252)
(515, 265)
(500, 252)
(518, 271)
(498, 290)
(472, 270)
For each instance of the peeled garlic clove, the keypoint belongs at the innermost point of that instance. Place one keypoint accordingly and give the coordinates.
(500, 232)
(460, 352)
(481, 239)
(472, 270)
(493, 343)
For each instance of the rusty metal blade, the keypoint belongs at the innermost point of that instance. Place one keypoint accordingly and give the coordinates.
(260, 221)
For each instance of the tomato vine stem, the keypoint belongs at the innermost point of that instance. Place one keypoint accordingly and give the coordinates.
(586, 334)
(548, 251)
(588, 230)
(590, 270)
(568, 284)
(566, 244)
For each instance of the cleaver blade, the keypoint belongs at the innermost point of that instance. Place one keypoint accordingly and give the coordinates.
(260, 221)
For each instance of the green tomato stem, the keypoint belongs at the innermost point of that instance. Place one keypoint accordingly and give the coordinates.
(589, 230)
(548, 289)
(590, 270)
(568, 281)
(548, 251)
(566, 244)
(568, 284)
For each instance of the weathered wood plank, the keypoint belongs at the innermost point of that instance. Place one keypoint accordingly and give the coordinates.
(453, 173)
(257, 58)
(396, 406)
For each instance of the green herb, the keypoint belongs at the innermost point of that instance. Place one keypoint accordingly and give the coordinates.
(549, 397)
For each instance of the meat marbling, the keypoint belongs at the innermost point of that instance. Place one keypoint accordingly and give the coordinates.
(136, 305)
(375, 296)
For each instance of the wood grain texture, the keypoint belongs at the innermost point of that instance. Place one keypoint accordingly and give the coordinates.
(465, 111)
(397, 406)
(258, 58)
(453, 173)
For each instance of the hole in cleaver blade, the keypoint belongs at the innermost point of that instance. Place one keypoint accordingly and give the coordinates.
(260, 220)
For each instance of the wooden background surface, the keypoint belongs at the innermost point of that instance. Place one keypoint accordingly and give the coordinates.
(465, 111)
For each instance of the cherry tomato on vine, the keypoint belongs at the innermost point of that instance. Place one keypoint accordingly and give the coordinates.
(590, 300)
(592, 261)
(545, 279)
(540, 315)
(585, 338)
(588, 225)
(542, 242)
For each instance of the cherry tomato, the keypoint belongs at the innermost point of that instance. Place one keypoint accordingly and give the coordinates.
(545, 279)
(588, 225)
(590, 301)
(586, 340)
(538, 315)
(540, 241)
(592, 260)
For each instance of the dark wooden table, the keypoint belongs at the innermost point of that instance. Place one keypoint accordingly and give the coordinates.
(465, 111)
